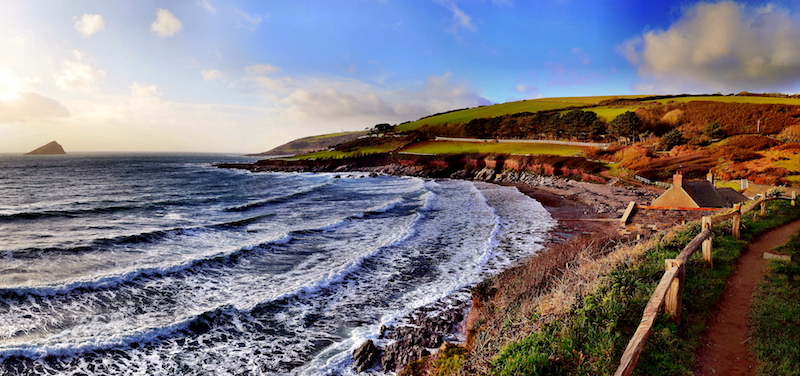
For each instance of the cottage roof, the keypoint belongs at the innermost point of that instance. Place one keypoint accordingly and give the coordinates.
(698, 194)
(731, 195)
(705, 194)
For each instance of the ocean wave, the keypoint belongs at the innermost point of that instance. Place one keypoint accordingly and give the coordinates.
(78, 346)
(73, 213)
(279, 199)
(224, 257)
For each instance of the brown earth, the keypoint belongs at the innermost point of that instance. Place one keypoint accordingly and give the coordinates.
(727, 348)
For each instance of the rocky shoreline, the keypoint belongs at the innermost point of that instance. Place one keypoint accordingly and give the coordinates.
(579, 207)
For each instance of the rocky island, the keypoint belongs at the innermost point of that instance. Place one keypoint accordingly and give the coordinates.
(49, 149)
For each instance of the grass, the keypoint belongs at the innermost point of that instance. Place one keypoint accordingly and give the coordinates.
(534, 105)
(775, 315)
(590, 340)
(609, 113)
(335, 154)
(459, 147)
(733, 184)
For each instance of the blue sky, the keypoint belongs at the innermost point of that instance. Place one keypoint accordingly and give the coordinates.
(245, 76)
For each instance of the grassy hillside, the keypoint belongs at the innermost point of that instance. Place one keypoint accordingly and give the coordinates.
(533, 105)
(313, 143)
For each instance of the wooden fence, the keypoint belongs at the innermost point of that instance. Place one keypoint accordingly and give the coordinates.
(669, 292)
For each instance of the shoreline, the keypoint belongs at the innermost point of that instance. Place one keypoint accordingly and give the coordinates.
(580, 209)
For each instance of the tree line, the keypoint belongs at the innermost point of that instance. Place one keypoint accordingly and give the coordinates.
(573, 124)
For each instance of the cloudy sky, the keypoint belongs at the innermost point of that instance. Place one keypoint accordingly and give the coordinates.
(248, 75)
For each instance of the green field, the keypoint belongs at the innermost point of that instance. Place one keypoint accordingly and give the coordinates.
(533, 105)
(609, 113)
(460, 147)
(341, 154)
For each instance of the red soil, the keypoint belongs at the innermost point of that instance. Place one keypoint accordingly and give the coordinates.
(727, 347)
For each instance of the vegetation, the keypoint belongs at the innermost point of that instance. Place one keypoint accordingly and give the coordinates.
(497, 110)
(460, 147)
(590, 338)
(776, 315)
(313, 143)
(736, 137)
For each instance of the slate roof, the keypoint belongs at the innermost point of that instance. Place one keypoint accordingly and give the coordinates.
(732, 195)
(705, 194)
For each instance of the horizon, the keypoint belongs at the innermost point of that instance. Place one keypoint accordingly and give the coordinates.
(207, 76)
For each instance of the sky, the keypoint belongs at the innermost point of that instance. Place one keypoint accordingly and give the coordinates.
(245, 76)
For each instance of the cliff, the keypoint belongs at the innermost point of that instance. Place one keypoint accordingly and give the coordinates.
(51, 148)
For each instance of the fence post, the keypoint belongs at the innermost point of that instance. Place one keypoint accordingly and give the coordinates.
(707, 244)
(737, 221)
(763, 208)
(794, 198)
(674, 297)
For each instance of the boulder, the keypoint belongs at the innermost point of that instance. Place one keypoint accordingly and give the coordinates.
(365, 356)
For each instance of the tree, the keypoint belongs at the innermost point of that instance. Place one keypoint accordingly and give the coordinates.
(383, 128)
(671, 139)
(626, 125)
(713, 130)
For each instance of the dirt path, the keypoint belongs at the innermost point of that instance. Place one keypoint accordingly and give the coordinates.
(727, 350)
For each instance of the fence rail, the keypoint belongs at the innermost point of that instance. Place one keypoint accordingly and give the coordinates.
(669, 292)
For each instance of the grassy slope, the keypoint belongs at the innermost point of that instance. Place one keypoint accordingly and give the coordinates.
(591, 339)
(775, 315)
(312, 143)
(534, 105)
(457, 147)
(387, 147)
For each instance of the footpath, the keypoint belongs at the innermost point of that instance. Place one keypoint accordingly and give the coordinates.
(727, 348)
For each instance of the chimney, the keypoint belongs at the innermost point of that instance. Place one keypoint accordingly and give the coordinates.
(710, 178)
(677, 179)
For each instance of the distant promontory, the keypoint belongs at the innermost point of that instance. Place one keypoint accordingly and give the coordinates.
(51, 148)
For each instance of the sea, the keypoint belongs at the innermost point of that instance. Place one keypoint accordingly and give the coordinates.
(163, 264)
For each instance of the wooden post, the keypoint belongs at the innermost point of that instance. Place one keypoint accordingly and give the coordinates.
(707, 244)
(674, 298)
(737, 221)
(794, 198)
(763, 208)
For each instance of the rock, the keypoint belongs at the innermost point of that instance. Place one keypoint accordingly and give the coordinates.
(396, 356)
(51, 148)
(365, 356)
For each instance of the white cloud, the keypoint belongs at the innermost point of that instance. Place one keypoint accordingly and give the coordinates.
(724, 46)
(11, 85)
(166, 24)
(250, 21)
(212, 75)
(261, 69)
(523, 89)
(206, 5)
(18, 101)
(29, 106)
(90, 24)
(140, 91)
(334, 99)
(460, 19)
(76, 75)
